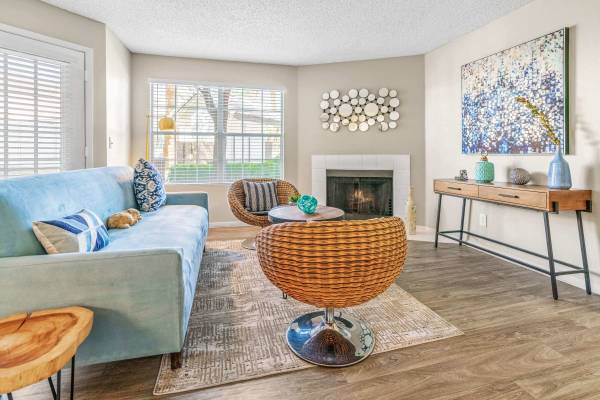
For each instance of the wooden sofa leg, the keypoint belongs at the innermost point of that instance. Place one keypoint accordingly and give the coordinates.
(176, 360)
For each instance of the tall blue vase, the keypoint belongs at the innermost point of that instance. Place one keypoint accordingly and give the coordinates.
(559, 174)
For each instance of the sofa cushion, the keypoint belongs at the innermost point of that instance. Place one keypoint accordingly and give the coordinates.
(83, 232)
(148, 186)
(180, 227)
(42, 197)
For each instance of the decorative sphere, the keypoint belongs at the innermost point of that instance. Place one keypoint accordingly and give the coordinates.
(307, 204)
(519, 176)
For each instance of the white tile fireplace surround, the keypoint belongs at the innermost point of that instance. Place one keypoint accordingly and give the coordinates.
(399, 164)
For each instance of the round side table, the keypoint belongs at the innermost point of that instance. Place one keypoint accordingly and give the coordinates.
(35, 346)
(291, 213)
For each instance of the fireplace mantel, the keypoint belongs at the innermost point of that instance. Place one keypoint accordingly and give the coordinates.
(399, 164)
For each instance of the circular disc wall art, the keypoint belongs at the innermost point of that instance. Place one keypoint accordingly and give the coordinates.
(359, 109)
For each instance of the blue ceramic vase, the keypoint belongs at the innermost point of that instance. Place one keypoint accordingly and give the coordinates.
(307, 204)
(559, 174)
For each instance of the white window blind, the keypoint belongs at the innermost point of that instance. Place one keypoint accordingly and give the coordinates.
(221, 134)
(37, 121)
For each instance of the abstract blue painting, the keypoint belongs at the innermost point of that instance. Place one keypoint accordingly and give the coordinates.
(493, 121)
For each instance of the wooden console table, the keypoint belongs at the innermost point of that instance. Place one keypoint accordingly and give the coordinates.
(532, 197)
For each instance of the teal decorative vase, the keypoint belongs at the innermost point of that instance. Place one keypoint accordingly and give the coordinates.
(307, 204)
(484, 170)
(559, 174)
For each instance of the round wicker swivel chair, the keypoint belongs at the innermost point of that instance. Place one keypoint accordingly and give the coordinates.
(237, 203)
(332, 265)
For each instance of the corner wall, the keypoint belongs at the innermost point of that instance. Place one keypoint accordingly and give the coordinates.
(443, 129)
(118, 101)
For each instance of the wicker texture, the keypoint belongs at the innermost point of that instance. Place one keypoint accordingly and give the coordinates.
(333, 263)
(237, 200)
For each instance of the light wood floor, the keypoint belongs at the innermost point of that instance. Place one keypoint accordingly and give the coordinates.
(518, 344)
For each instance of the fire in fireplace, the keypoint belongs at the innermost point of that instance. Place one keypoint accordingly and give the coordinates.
(361, 194)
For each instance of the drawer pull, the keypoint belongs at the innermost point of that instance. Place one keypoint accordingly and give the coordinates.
(511, 196)
(454, 188)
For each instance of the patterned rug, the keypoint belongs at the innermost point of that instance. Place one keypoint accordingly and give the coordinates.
(238, 322)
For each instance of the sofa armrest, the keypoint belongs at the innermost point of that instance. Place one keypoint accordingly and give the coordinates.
(137, 297)
(188, 198)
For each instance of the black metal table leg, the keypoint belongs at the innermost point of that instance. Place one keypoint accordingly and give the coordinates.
(550, 256)
(55, 390)
(284, 295)
(462, 221)
(586, 273)
(72, 377)
(52, 387)
(9, 396)
(437, 223)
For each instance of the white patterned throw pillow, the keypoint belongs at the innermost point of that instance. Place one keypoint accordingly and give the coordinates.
(83, 232)
(148, 186)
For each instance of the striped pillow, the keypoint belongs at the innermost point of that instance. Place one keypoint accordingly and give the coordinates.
(83, 232)
(260, 196)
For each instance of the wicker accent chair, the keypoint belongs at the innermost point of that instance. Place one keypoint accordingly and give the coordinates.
(237, 203)
(332, 264)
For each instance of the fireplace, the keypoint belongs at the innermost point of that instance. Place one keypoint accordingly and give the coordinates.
(361, 194)
(395, 167)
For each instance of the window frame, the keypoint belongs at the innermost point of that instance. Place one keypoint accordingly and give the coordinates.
(88, 95)
(222, 153)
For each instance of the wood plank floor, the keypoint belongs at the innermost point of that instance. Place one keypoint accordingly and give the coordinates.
(518, 343)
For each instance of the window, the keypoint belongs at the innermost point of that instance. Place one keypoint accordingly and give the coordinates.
(41, 107)
(215, 134)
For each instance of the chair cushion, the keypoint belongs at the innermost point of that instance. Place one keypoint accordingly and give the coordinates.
(83, 232)
(260, 196)
(148, 186)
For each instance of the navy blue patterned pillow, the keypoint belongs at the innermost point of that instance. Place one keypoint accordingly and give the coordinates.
(148, 186)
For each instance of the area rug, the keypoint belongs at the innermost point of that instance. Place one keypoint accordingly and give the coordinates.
(238, 322)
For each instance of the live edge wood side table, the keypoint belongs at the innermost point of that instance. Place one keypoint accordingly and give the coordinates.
(532, 197)
(35, 346)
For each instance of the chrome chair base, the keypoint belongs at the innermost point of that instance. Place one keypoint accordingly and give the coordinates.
(249, 244)
(322, 339)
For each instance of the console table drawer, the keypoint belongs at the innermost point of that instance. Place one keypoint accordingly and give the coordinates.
(523, 198)
(456, 188)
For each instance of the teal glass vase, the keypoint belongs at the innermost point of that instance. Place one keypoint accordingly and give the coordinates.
(484, 170)
(307, 204)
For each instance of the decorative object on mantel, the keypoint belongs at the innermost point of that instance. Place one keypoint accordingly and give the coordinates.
(307, 204)
(360, 109)
(411, 213)
(484, 169)
(519, 176)
(559, 173)
(491, 119)
(462, 175)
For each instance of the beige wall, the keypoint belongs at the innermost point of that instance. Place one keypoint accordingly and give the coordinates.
(443, 140)
(145, 67)
(118, 101)
(406, 74)
(54, 22)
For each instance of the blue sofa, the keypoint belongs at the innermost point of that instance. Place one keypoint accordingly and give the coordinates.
(140, 287)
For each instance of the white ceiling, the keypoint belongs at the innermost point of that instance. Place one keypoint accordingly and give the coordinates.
(292, 32)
